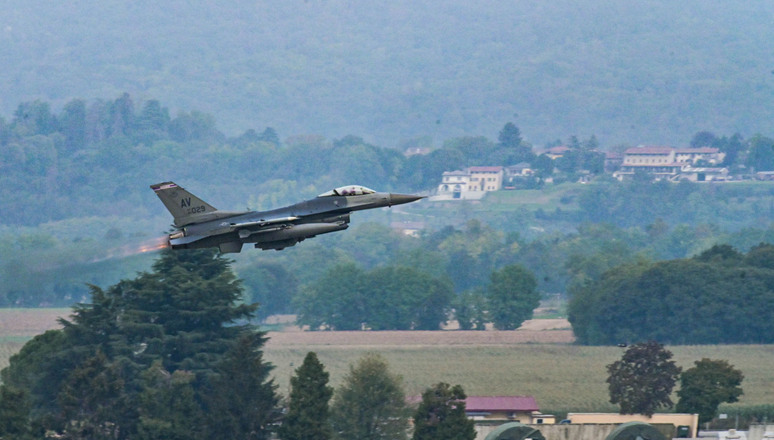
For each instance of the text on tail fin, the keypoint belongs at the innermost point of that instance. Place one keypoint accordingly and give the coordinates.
(185, 207)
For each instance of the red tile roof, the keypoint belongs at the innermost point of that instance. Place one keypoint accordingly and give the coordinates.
(486, 169)
(561, 149)
(649, 150)
(500, 403)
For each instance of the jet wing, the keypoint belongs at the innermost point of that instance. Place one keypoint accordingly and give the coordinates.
(258, 224)
(261, 226)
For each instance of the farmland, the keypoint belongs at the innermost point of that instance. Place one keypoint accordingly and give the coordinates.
(538, 359)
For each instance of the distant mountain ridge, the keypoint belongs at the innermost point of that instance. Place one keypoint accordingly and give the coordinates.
(654, 71)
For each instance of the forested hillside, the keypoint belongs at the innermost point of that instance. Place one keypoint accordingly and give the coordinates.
(653, 71)
(77, 207)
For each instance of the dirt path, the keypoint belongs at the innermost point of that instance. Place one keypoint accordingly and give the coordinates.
(30, 322)
(548, 331)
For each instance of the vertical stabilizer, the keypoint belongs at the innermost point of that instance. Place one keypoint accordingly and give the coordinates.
(185, 207)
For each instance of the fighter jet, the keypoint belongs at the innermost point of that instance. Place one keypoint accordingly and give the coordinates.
(198, 225)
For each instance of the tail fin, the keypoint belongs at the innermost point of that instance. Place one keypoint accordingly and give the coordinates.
(185, 207)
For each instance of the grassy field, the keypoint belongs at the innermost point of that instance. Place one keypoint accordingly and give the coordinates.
(538, 359)
(562, 376)
(548, 198)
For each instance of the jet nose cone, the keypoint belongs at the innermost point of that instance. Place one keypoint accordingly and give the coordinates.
(399, 199)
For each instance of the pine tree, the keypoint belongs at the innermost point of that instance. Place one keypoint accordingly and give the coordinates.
(370, 404)
(242, 400)
(308, 413)
(14, 414)
(168, 406)
(92, 401)
(441, 415)
(185, 315)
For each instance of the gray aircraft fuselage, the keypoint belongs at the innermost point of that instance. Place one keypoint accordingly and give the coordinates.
(199, 225)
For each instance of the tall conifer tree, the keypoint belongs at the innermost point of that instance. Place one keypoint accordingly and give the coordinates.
(183, 317)
(441, 415)
(308, 412)
(370, 404)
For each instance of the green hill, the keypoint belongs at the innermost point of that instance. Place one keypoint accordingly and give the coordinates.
(654, 71)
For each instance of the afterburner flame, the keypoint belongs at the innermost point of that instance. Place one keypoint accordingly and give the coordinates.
(155, 244)
(150, 245)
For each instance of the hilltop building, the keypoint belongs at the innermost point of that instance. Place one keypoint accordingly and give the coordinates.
(672, 163)
(469, 184)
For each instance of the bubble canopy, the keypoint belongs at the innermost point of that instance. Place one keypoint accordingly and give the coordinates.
(349, 190)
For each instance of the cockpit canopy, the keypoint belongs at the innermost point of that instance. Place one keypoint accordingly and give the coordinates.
(349, 190)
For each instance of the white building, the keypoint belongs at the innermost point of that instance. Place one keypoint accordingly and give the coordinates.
(469, 184)
(671, 163)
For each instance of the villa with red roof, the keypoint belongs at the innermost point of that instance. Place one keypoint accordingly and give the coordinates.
(469, 184)
(670, 163)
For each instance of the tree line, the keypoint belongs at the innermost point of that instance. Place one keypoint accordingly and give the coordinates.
(83, 160)
(82, 156)
(70, 167)
(403, 298)
(719, 296)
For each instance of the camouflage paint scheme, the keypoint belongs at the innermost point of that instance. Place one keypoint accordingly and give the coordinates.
(199, 225)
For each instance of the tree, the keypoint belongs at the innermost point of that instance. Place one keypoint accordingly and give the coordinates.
(591, 144)
(470, 310)
(703, 139)
(242, 399)
(33, 118)
(308, 412)
(515, 149)
(370, 404)
(761, 255)
(122, 115)
(683, 301)
(386, 298)
(761, 153)
(270, 135)
(510, 136)
(732, 147)
(441, 415)
(152, 123)
(512, 296)
(14, 414)
(168, 406)
(72, 124)
(184, 323)
(543, 165)
(403, 298)
(92, 400)
(642, 380)
(706, 385)
(271, 285)
(335, 301)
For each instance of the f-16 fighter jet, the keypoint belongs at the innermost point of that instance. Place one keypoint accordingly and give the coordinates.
(199, 225)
